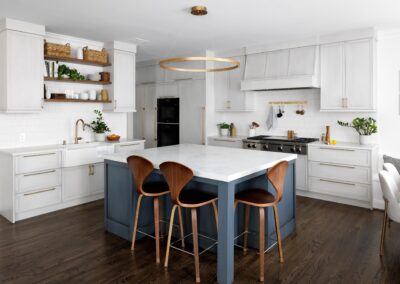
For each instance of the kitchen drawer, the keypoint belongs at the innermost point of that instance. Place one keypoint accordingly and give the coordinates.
(32, 181)
(224, 142)
(38, 199)
(339, 189)
(339, 172)
(339, 155)
(129, 147)
(38, 162)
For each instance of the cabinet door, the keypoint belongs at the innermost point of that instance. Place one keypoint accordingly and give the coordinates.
(150, 116)
(255, 66)
(192, 102)
(24, 72)
(221, 86)
(332, 76)
(277, 63)
(302, 60)
(359, 76)
(76, 182)
(138, 116)
(301, 172)
(97, 179)
(166, 89)
(236, 97)
(124, 81)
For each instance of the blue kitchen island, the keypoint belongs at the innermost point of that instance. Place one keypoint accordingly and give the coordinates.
(219, 170)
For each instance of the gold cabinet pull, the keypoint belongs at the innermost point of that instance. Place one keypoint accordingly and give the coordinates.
(337, 149)
(40, 191)
(340, 182)
(41, 173)
(38, 155)
(336, 165)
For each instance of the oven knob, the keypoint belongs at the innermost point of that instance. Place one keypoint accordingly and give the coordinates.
(248, 146)
(253, 146)
(298, 149)
(265, 147)
(293, 149)
(280, 148)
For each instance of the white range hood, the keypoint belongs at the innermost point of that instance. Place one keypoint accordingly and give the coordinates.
(294, 68)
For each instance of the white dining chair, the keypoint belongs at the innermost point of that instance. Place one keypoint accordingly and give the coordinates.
(392, 204)
(395, 174)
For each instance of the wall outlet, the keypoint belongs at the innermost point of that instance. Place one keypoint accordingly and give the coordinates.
(22, 137)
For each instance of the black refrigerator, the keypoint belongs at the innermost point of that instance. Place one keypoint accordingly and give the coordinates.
(167, 121)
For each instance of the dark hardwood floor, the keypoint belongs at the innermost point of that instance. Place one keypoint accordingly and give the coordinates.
(333, 244)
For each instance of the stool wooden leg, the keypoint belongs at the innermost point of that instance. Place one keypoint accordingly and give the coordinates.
(171, 222)
(383, 229)
(139, 201)
(262, 241)
(278, 233)
(246, 226)
(161, 214)
(157, 227)
(181, 227)
(195, 244)
(214, 205)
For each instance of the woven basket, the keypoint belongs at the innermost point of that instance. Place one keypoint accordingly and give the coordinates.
(55, 49)
(95, 56)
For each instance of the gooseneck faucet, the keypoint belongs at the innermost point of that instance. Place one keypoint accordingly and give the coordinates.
(76, 130)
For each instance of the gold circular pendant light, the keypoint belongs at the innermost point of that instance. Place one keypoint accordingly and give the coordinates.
(164, 64)
(199, 11)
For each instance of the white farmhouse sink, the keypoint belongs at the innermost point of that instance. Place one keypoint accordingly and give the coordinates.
(85, 153)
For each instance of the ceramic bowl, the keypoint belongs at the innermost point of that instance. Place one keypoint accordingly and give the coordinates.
(92, 95)
(94, 77)
(84, 96)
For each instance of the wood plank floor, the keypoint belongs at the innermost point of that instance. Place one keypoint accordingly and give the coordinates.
(333, 244)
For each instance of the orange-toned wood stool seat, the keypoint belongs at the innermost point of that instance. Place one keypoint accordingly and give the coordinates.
(262, 199)
(177, 177)
(141, 168)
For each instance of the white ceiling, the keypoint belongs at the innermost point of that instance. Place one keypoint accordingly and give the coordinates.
(171, 30)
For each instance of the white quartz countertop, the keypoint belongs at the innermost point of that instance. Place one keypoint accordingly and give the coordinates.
(230, 138)
(217, 163)
(58, 147)
(344, 145)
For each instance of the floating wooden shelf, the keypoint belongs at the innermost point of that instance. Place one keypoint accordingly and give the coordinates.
(76, 61)
(74, 101)
(76, 81)
(289, 103)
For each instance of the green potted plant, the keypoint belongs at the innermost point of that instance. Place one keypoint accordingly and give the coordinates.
(223, 128)
(365, 127)
(99, 127)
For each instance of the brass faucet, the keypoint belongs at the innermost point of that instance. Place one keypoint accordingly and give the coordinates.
(76, 130)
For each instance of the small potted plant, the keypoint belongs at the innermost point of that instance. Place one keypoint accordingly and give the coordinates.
(365, 127)
(99, 127)
(223, 128)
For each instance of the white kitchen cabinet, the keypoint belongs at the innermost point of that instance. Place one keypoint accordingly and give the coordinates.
(255, 66)
(227, 90)
(122, 56)
(138, 116)
(97, 179)
(348, 76)
(301, 172)
(166, 89)
(21, 71)
(277, 63)
(302, 60)
(192, 111)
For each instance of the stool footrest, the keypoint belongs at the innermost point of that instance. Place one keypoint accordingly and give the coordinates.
(188, 252)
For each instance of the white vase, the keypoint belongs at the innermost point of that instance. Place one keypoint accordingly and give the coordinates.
(100, 137)
(224, 131)
(366, 139)
(252, 132)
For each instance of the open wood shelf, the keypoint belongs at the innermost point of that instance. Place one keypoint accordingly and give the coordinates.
(62, 80)
(74, 101)
(76, 61)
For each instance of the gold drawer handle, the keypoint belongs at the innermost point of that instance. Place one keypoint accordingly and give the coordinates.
(127, 145)
(40, 191)
(42, 173)
(338, 166)
(223, 140)
(38, 155)
(337, 149)
(340, 182)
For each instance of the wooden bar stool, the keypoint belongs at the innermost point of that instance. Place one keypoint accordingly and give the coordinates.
(141, 168)
(178, 176)
(262, 199)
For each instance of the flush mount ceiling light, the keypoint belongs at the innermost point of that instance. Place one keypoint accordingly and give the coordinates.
(199, 11)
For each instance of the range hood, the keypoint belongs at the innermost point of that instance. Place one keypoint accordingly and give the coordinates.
(283, 83)
(284, 69)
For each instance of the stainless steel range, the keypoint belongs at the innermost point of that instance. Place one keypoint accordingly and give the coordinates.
(278, 144)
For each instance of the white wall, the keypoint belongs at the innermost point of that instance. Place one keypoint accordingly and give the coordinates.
(55, 124)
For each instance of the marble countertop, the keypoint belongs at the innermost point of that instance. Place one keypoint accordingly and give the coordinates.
(217, 163)
(236, 138)
(344, 145)
(58, 147)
